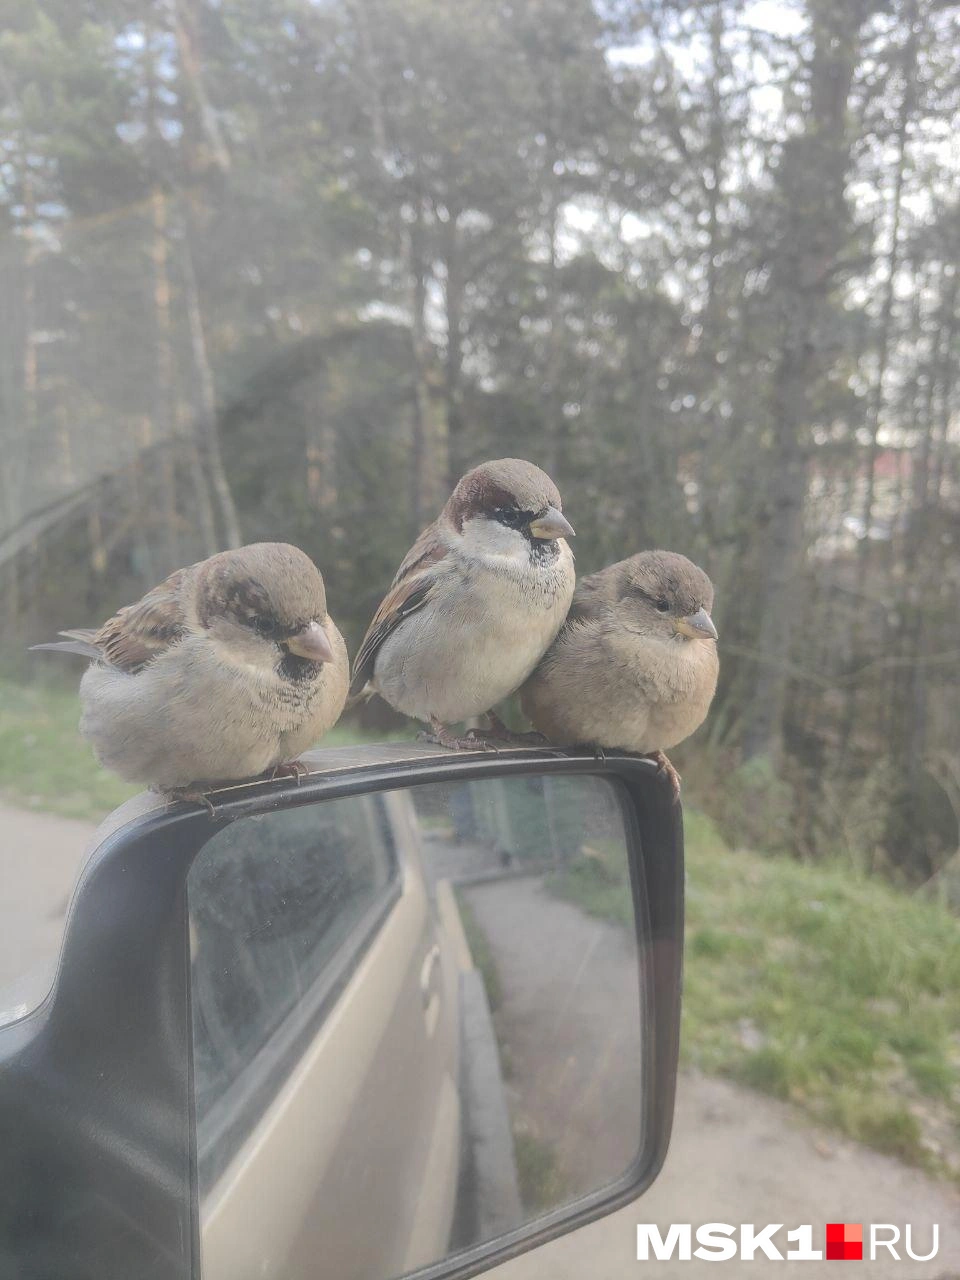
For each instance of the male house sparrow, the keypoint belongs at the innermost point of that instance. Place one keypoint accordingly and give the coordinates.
(475, 603)
(229, 668)
(635, 666)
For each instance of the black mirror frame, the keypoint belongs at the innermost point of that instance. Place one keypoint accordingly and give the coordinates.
(97, 1142)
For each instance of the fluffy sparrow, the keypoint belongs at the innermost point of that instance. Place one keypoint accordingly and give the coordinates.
(229, 668)
(475, 603)
(635, 666)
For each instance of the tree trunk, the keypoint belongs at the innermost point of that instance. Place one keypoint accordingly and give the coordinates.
(429, 455)
(203, 135)
(208, 436)
(811, 181)
(876, 406)
(453, 367)
(553, 371)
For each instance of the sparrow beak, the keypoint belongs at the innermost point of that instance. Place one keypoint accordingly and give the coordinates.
(311, 643)
(699, 626)
(551, 525)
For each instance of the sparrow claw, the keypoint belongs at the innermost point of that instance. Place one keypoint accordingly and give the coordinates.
(441, 736)
(190, 795)
(289, 769)
(498, 732)
(666, 769)
(485, 739)
(497, 735)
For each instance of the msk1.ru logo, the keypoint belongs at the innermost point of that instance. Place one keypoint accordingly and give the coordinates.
(721, 1242)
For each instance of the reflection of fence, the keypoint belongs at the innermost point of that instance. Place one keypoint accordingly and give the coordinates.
(529, 820)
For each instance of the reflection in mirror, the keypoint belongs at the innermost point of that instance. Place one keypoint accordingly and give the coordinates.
(417, 1023)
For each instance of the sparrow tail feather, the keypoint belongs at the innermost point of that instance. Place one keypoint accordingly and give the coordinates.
(358, 698)
(78, 642)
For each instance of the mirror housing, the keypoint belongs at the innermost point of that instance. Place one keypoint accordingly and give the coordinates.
(97, 1128)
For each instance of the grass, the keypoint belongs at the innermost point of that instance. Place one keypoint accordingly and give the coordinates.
(817, 985)
(538, 1174)
(45, 764)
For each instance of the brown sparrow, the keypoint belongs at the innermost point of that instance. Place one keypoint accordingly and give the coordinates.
(475, 603)
(229, 668)
(635, 666)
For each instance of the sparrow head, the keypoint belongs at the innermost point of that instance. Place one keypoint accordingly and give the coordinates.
(265, 604)
(508, 507)
(663, 594)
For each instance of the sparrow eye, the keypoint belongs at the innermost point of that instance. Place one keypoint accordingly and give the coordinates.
(663, 605)
(264, 626)
(512, 517)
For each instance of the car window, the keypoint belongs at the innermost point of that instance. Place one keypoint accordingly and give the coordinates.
(278, 910)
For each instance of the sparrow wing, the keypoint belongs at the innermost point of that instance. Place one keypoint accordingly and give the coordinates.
(140, 632)
(593, 597)
(409, 591)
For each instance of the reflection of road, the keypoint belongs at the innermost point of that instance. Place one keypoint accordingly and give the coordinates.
(571, 1049)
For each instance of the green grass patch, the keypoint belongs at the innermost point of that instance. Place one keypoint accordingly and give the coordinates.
(538, 1173)
(818, 985)
(45, 764)
(598, 882)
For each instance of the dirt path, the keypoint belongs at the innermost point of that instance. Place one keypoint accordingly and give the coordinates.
(735, 1156)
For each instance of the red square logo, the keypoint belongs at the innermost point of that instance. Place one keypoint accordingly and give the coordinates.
(845, 1241)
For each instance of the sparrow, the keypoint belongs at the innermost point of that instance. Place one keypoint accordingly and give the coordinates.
(228, 669)
(475, 603)
(635, 665)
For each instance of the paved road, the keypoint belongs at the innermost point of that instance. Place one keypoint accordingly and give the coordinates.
(39, 858)
(735, 1157)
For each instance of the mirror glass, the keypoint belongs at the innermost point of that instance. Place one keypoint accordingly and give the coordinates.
(417, 1023)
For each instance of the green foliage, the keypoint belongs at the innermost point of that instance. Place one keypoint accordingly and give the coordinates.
(755, 807)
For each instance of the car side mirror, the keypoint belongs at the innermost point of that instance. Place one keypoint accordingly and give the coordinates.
(411, 1016)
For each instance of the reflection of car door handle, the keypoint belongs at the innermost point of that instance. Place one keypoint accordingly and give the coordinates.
(429, 989)
(429, 967)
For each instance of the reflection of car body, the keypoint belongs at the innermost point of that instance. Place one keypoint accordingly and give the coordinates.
(334, 1135)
